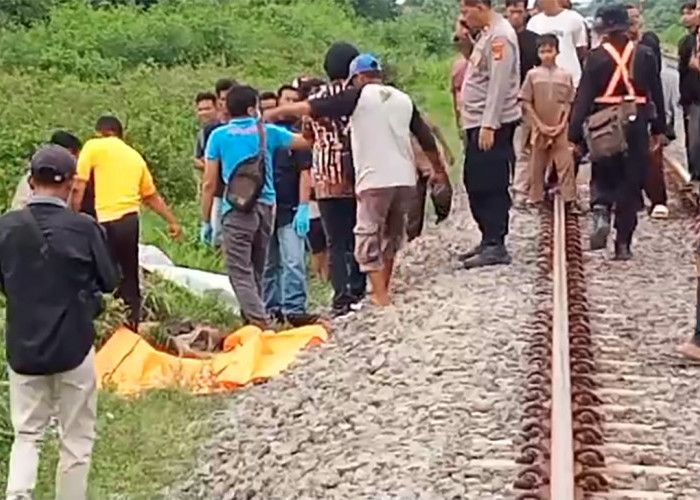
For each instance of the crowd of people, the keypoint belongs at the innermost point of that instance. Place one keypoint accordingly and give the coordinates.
(336, 171)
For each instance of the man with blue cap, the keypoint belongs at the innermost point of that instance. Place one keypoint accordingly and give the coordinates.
(382, 120)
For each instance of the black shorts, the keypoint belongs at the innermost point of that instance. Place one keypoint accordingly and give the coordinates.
(317, 237)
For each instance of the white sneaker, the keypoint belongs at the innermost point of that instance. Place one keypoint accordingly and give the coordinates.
(659, 212)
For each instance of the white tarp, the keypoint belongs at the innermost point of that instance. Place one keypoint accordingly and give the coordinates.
(152, 259)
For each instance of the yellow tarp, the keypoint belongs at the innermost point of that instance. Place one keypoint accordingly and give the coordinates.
(128, 364)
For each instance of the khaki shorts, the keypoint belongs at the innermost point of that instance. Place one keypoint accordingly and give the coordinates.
(381, 224)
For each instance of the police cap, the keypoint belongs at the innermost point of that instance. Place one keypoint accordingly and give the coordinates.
(611, 18)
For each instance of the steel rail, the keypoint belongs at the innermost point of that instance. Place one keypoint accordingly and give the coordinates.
(562, 441)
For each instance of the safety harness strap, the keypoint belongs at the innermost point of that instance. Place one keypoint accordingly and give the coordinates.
(621, 73)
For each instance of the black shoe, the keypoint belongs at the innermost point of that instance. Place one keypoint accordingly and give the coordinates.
(471, 253)
(303, 319)
(601, 228)
(342, 312)
(622, 252)
(490, 256)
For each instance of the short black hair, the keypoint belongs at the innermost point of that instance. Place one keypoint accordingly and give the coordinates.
(205, 96)
(224, 84)
(267, 95)
(474, 3)
(109, 125)
(514, 3)
(66, 140)
(548, 40)
(308, 87)
(288, 87)
(240, 99)
(687, 6)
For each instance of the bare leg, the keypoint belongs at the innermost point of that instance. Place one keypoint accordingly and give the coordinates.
(319, 264)
(388, 272)
(380, 295)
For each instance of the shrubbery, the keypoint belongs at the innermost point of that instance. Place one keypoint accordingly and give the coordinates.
(145, 66)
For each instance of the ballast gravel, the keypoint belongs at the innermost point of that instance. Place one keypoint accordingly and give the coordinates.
(416, 401)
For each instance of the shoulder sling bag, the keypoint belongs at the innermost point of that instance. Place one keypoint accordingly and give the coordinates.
(606, 130)
(246, 183)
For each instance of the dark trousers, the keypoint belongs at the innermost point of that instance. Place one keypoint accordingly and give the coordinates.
(486, 177)
(617, 181)
(655, 183)
(339, 216)
(123, 241)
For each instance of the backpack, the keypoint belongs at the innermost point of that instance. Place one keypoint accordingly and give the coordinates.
(246, 183)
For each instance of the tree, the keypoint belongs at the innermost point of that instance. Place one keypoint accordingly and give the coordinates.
(376, 10)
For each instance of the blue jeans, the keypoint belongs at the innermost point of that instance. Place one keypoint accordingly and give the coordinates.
(284, 281)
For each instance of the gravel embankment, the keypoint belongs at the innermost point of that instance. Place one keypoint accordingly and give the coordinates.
(418, 401)
(640, 312)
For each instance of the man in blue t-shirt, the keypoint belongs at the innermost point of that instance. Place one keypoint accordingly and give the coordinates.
(245, 235)
(284, 281)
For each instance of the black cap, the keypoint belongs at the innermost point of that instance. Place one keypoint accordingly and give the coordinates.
(612, 18)
(53, 163)
(338, 59)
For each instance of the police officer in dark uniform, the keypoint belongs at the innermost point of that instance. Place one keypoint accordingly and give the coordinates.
(617, 179)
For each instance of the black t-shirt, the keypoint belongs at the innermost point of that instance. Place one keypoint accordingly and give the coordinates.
(206, 132)
(527, 43)
(288, 165)
(651, 40)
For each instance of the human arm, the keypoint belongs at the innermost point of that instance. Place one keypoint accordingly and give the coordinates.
(658, 124)
(84, 168)
(501, 63)
(583, 103)
(107, 273)
(581, 35)
(153, 200)
(302, 217)
(335, 106)
(426, 140)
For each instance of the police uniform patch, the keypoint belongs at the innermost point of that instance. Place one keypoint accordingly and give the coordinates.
(497, 49)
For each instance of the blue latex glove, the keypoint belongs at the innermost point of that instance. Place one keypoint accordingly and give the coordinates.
(205, 233)
(302, 220)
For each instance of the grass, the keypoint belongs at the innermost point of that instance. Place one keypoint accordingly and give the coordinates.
(143, 444)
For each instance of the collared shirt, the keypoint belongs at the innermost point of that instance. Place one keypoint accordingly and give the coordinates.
(53, 265)
(492, 82)
(550, 91)
(239, 140)
(332, 168)
(122, 178)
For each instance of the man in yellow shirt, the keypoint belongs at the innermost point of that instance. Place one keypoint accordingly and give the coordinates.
(122, 183)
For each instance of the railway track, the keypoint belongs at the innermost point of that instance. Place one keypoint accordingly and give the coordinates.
(594, 424)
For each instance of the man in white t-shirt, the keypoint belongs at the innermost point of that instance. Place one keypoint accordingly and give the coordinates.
(570, 27)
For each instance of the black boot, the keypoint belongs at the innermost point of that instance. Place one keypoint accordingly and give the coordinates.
(492, 255)
(471, 253)
(601, 227)
(622, 251)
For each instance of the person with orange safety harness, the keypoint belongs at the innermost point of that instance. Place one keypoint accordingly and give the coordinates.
(619, 75)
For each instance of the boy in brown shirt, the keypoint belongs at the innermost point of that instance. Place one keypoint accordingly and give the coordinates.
(547, 95)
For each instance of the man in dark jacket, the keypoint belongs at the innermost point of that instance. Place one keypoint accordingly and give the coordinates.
(53, 265)
(618, 179)
(689, 87)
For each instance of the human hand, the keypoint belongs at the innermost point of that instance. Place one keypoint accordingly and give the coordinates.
(302, 220)
(656, 141)
(694, 63)
(206, 232)
(439, 177)
(575, 148)
(486, 138)
(174, 230)
(549, 130)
